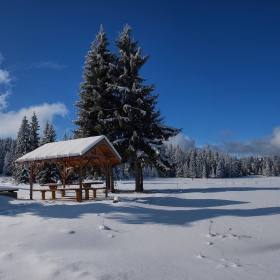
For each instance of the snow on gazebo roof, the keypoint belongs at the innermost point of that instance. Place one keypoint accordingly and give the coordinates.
(76, 148)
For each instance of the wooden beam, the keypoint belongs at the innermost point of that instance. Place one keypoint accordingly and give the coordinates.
(38, 168)
(69, 172)
(58, 168)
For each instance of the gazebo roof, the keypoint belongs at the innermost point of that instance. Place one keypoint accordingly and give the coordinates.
(91, 150)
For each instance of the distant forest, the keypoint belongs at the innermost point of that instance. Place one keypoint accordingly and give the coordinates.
(192, 163)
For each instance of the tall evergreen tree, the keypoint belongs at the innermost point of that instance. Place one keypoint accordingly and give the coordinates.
(21, 173)
(48, 173)
(98, 101)
(49, 134)
(9, 159)
(141, 126)
(65, 137)
(34, 132)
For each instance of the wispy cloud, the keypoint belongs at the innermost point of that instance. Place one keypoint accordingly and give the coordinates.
(4, 77)
(11, 121)
(3, 99)
(263, 146)
(5, 87)
(182, 140)
(46, 65)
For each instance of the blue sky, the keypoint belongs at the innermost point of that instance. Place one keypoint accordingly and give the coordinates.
(215, 64)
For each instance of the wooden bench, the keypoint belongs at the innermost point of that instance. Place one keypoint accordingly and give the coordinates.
(8, 191)
(77, 190)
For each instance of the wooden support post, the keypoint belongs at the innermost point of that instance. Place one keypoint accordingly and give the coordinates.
(53, 194)
(86, 194)
(81, 180)
(62, 193)
(43, 195)
(78, 195)
(107, 177)
(64, 176)
(31, 181)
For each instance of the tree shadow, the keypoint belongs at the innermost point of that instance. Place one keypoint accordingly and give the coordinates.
(210, 190)
(134, 213)
(182, 202)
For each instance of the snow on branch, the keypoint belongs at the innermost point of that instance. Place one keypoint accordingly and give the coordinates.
(104, 121)
(162, 165)
(119, 141)
(140, 153)
(119, 88)
(127, 108)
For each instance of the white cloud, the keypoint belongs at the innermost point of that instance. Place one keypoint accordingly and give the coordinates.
(4, 77)
(11, 121)
(275, 141)
(3, 101)
(4, 85)
(263, 146)
(182, 140)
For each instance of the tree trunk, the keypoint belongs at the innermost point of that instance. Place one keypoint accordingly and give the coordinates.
(138, 171)
(141, 178)
(111, 179)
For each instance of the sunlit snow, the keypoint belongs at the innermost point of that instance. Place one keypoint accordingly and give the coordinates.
(177, 229)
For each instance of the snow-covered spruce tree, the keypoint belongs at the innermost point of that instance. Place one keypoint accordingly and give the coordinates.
(220, 167)
(96, 115)
(142, 130)
(9, 158)
(98, 101)
(34, 132)
(65, 137)
(192, 165)
(178, 160)
(48, 173)
(2, 155)
(21, 174)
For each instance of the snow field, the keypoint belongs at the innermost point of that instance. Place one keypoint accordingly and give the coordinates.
(162, 233)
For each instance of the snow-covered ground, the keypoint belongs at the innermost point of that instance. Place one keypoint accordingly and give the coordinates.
(177, 229)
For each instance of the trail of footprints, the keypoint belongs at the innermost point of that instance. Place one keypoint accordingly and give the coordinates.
(224, 261)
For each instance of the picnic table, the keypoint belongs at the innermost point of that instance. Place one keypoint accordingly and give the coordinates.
(55, 187)
(8, 191)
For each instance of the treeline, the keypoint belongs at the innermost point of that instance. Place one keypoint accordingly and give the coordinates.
(208, 163)
(192, 163)
(28, 139)
(7, 151)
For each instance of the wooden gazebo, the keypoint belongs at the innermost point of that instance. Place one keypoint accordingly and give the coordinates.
(73, 155)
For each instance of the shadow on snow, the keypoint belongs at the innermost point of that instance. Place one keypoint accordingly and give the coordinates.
(210, 190)
(135, 212)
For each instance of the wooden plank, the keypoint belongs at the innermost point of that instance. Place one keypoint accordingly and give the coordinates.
(78, 192)
(12, 192)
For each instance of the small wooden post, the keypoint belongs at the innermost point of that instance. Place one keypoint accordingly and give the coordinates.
(64, 176)
(107, 177)
(43, 195)
(53, 194)
(81, 179)
(87, 194)
(31, 181)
